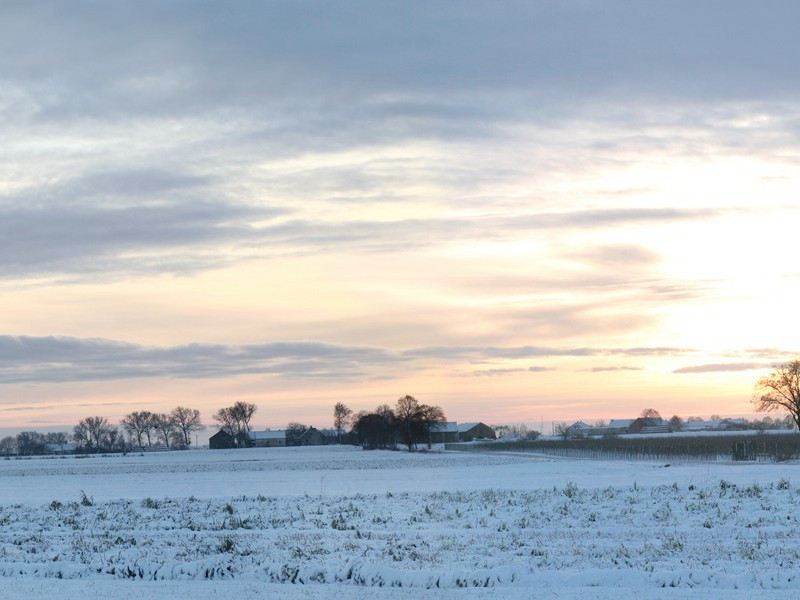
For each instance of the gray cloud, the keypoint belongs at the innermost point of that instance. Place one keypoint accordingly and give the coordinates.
(496, 372)
(722, 367)
(60, 359)
(57, 359)
(611, 369)
(182, 236)
(196, 57)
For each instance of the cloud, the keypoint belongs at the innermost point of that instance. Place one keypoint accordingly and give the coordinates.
(608, 369)
(495, 372)
(60, 359)
(722, 367)
(537, 369)
(186, 236)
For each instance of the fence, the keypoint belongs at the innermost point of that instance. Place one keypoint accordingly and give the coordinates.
(747, 447)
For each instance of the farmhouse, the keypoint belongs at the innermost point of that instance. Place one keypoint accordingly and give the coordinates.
(268, 439)
(581, 430)
(310, 437)
(66, 448)
(221, 440)
(475, 431)
(443, 433)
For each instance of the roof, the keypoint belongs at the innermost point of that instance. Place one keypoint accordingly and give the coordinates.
(268, 435)
(449, 427)
(580, 425)
(615, 423)
(462, 427)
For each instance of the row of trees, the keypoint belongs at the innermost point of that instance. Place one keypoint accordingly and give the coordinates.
(409, 423)
(96, 434)
(174, 429)
(235, 421)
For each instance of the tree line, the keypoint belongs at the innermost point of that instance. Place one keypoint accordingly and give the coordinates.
(172, 430)
(409, 423)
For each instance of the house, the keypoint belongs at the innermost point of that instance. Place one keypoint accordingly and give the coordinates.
(221, 440)
(310, 437)
(268, 439)
(66, 448)
(579, 430)
(475, 431)
(443, 433)
(619, 426)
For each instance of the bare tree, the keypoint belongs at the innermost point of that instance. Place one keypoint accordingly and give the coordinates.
(414, 420)
(138, 424)
(187, 421)
(30, 442)
(56, 437)
(676, 423)
(650, 413)
(8, 445)
(341, 417)
(293, 432)
(235, 420)
(165, 427)
(780, 390)
(89, 432)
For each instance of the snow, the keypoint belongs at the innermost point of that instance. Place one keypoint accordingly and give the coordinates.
(309, 522)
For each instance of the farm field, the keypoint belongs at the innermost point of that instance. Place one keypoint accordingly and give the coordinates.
(311, 522)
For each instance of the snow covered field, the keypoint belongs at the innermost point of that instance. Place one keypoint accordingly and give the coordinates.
(313, 522)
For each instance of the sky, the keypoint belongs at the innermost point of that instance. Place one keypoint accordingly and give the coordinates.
(517, 211)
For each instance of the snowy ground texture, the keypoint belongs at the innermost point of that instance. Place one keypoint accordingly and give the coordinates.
(311, 522)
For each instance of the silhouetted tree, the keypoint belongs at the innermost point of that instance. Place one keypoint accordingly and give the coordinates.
(650, 413)
(341, 417)
(235, 420)
(676, 423)
(56, 437)
(780, 390)
(187, 421)
(8, 445)
(165, 427)
(293, 432)
(138, 424)
(30, 442)
(90, 432)
(376, 429)
(414, 420)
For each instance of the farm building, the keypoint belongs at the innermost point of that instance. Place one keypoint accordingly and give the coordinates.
(310, 437)
(475, 431)
(221, 440)
(443, 433)
(268, 439)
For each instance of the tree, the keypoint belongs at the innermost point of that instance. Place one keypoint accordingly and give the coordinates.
(376, 429)
(341, 417)
(650, 413)
(138, 424)
(414, 420)
(235, 420)
(429, 416)
(293, 432)
(56, 437)
(165, 427)
(8, 445)
(90, 432)
(30, 442)
(780, 390)
(187, 421)
(676, 423)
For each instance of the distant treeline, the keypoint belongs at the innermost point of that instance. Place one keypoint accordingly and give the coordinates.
(171, 430)
(733, 446)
